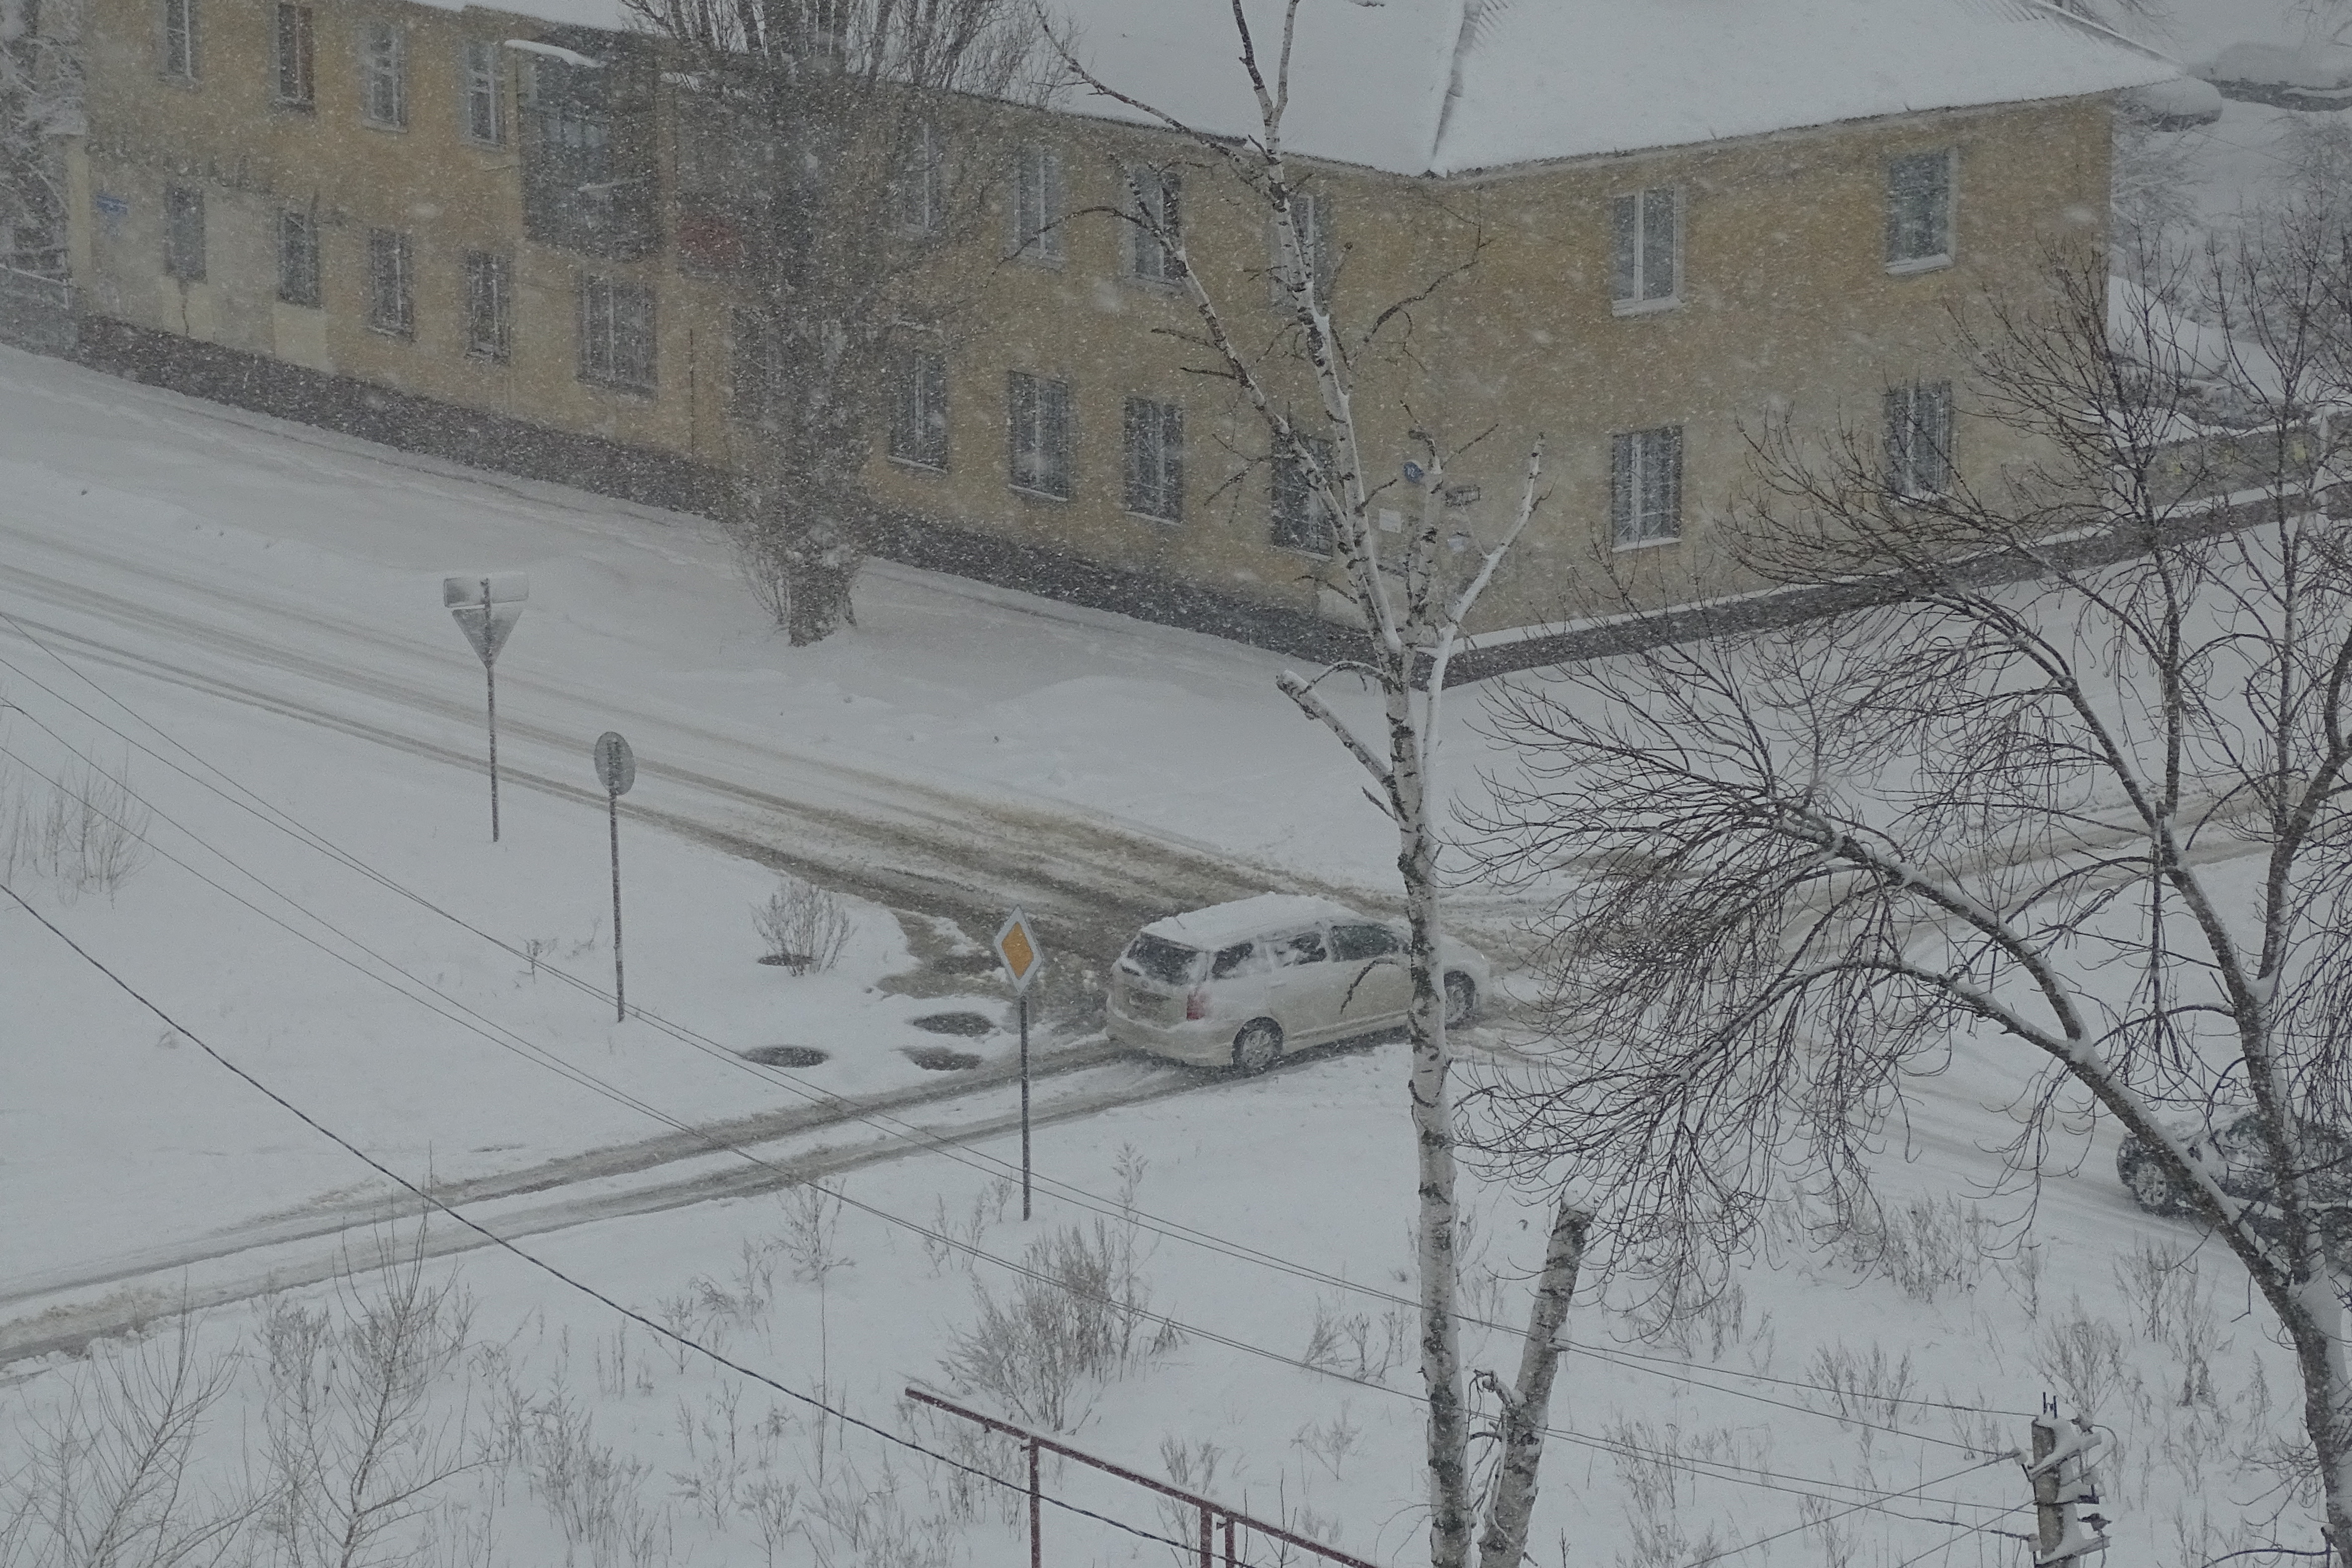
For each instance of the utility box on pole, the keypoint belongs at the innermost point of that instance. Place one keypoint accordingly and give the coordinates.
(2063, 1483)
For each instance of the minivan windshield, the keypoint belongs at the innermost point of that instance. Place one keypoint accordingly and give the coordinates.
(1156, 958)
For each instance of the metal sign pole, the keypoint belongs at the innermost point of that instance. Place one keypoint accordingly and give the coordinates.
(486, 606)
(620, 992)
(1017, 950)
(491, 672)
(1023, 1004)
(617, 770)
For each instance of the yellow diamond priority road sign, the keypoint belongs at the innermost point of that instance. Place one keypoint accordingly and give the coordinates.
(1018, 950)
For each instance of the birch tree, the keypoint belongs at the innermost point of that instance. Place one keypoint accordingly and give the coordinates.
(843, 180)
(2071, 788)
(1414, 609)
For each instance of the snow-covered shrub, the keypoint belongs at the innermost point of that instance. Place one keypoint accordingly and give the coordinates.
(802, 926)
(1078, 1314)
(83, 830)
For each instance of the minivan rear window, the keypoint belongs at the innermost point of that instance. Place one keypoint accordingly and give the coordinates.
(1157, 959)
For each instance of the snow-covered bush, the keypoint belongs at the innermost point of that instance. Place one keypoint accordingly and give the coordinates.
(802, 926)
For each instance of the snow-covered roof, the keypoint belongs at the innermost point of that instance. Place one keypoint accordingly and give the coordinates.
(1222, 923)
(1447, 86)
(605, 15)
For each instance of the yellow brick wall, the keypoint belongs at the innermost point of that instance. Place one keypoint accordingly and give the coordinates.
(1787, 305)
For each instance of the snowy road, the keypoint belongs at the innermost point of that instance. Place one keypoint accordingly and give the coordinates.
(62, 1310)
(296, 571)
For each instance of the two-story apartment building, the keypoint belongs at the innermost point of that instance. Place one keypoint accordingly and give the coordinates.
(1657, 224)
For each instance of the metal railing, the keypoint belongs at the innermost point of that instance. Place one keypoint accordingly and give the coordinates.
(1222, 1530)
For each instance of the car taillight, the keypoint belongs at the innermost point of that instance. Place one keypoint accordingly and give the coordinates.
(1196, 1005)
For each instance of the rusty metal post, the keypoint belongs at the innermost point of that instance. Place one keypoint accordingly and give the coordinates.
(1036, 1512)
(1208, 1538)
(1231, 1560)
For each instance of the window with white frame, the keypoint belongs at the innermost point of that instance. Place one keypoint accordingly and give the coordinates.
(383, 74)
(617, 333)
(183, 232)
(483, 65)
(759, 367)
(1645, 486)
(919, 189)
(1919, 439)
(489, 305)
(919, 414)
(1155, 459)
(1037, 203)
(178, 51)
(392, 299)
(1301, 519)
(1154, 215)
(1037, 417)
(298, 256)
(1645, 249)
(296, 55)
(1920, 210)
(1311, 216)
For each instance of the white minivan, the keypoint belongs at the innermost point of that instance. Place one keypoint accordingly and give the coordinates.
(1242, 983)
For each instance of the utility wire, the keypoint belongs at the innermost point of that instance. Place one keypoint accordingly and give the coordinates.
(660, 1330)
(1857, 1508)
(971, 1157)
(1711, 1469)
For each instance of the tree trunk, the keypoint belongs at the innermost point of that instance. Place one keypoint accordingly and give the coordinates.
(2313, 1316)
(1433, 1124)
(1527, 1407)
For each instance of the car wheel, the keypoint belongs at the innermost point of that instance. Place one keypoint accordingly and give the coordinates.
(1258, 1046)
(2152, 1187)
(1461, 998)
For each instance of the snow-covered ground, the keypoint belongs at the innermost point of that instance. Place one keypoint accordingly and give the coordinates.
(207, 603)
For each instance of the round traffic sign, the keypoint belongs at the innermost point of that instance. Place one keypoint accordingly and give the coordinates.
(617, 764)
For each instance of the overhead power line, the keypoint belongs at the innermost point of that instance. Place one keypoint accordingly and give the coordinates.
(478, 1023)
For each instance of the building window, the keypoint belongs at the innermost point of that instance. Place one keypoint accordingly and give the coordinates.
(296, 81)
(485, 82)
(1310, 213)
(183, 232)
(1645, 486)
(919, 423)
(1037, 203)
(298, 256)
(919, 189)
(758, 384)
(1919, 439)
(391, 299)
(1038, 413)
(1645, 249)
(383, 74)
(1153, 224)
(489, 305)
(1301, 519)
(617, 333)
(179, 40)
(1920, 210)
(1155, 459)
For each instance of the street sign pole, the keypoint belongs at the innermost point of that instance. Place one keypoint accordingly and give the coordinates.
(1019, 953)
(486, 606)
(1021, 1003)
(617, 770)
(490, 674)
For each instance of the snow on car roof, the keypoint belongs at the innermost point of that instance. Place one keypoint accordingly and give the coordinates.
(1221, 923)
